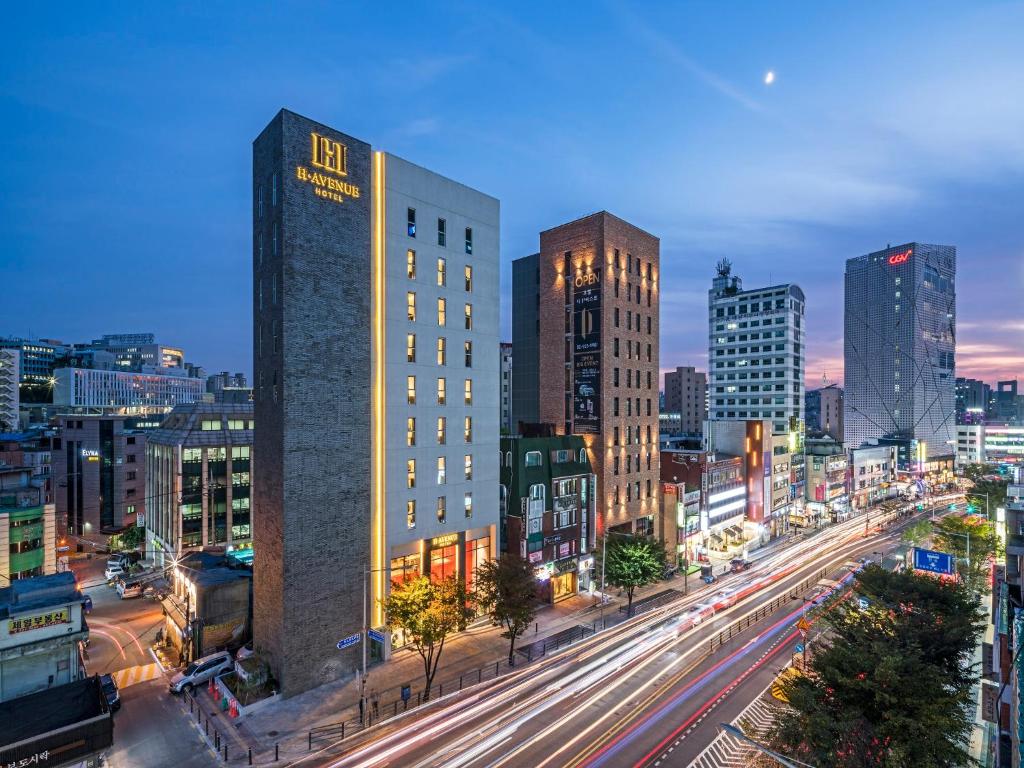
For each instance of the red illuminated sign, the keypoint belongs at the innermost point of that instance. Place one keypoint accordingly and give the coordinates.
(899, 258)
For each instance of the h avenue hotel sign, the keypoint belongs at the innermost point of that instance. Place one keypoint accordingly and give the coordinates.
(329, 161)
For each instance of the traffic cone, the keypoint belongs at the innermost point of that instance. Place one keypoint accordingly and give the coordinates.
(211, 688)
(233, 709)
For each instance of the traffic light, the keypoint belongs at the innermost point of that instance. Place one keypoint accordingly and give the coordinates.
(952, 507)
(971, 508)
(920, 506)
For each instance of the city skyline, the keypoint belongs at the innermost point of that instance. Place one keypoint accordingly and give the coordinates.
(722, 165)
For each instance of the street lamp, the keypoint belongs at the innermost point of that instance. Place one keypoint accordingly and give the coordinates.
(739, 735)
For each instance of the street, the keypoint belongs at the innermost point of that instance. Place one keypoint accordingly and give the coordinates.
(640, 693)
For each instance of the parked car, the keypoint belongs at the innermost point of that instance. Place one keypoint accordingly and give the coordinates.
(200, 671)
(739, 564)
(110, 691)
(129, 589)
(244, 652)
(114, 572)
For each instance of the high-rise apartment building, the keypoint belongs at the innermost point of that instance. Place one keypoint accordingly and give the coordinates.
(972, 400)
(824, 411)
(506, 387)
(375, 306)
(755, 351)
(9, 389)
(592, 295)
(685, 390)
(899, 348)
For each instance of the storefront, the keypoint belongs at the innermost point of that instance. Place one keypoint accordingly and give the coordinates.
(564, 580)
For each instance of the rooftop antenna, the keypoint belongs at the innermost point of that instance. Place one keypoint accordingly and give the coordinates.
(723, 267)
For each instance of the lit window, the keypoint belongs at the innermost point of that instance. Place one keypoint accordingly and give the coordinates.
(442, 272)
(468, 350)
(442, 354)
(410, 389)
(468, 502)
(410, 513)
(410, 348)
(467, 429)
(469, 392)
(441, 430)
(442, 310)
(410, 264)
(410, 304)
(469, 466)
(441, 514)
(534, 459)
(440, 470)
(442, 391)
(469, 317)
(469, 278)
(410, 473)
(410, 431)
(469, 240)
(411, 222)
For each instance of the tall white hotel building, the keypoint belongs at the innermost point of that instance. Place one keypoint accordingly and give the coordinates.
(375, 304)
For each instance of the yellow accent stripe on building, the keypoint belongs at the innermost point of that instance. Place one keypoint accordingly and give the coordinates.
(377, 534)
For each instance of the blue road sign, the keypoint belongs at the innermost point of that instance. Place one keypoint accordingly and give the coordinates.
(935, 562)
(375, 635)
(799, 647)
(862, 603)
(350, 640)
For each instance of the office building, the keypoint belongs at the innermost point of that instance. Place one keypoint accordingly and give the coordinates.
(755, 351)
(9, 390)
(27, 526)
(972, 399)
(594, 295)
(198, 478)
(547, 510)
(872, 475)
(526, 341)
(375, 305)
(122, 391)
(827, 497)
(139, 352)
(825, 411)
(36, 358)
(685, 390)
(989, 444)
(1006, 403)
(99, 470)
(899, 347)
(506, 388)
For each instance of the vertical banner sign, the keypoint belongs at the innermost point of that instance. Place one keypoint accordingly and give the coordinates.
(587, 352)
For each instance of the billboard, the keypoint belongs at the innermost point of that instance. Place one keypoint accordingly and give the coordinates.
(934, 562)
(586, 344)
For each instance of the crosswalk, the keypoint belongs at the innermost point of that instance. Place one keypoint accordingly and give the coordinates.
(726, 751)
(138, 674)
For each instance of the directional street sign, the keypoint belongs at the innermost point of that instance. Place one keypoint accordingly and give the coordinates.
(862, 603)
(348, 641)
(935, 562)
(375, 635)
(799, 647)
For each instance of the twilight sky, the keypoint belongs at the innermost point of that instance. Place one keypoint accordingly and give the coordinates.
(125, 140)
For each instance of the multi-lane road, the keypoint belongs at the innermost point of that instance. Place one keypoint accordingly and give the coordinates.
(649, 691)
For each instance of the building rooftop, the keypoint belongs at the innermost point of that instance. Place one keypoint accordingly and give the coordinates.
(183, 425)
(38, 592)
(40, 713)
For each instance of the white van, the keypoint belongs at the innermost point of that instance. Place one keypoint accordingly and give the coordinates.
(128, 589)
(200, 671)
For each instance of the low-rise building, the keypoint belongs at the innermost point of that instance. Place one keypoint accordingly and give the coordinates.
(125, 392)
(42, 627)
(872, 475)
(989, 444)
(679, 521)
(827, 499)
(547, 510)
(198, 479)
(27, 527)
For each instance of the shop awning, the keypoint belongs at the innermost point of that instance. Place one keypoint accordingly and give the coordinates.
(735, 531)
(714, 538)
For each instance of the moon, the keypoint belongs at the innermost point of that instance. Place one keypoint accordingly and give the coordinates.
(769, 77)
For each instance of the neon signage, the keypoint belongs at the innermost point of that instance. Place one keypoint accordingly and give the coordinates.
(899, 258)
(331, 156)
(585, 279)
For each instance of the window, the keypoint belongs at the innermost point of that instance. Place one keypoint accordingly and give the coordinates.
(240, 452)
(442, 430)
(410, 264)
(442, 272)
(410, 348)
(236, 424)
(129, 441)
(442, 312)
(469, 246)
(468, 461)
(441, 232)
(468, 504)
(467, 349)
(534, 459)
(240, 478)
(130, 475)
(441, 513)
(441, 466)
(209, 425)
(442, 391)
(467, 429)
(410, 513)
(469, 392)
(469, 317)
(410, 390)
(410, 431)
(442, 351)
(410, 473)
(410, 304)
(468, 272)
(411, 222)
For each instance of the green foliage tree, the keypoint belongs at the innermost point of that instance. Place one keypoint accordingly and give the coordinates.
(975, 472)
(890, 685)
(952, 534)
(506, 590)
(987, 495)
(426, 612)
(917, 533)
(131, 537)
(631, 562)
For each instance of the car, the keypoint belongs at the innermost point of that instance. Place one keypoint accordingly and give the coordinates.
(201, 671)
(113, 572)
(739, 564)
(109, 686)
(244, 652)
(724, 599)
(702, 611)
(129, 589)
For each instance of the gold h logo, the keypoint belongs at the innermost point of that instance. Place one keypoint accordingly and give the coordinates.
(329, 154)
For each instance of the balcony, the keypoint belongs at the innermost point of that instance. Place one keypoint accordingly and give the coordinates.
(1015, 544)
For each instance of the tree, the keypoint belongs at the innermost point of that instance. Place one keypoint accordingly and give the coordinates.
(426, 612)
(957, 535)
(986, 496)
(889, 685)
(631, 562)
(917, 533)
(974, 472)
(506, 590)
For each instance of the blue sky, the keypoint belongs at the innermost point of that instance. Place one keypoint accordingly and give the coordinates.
(126, 135)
